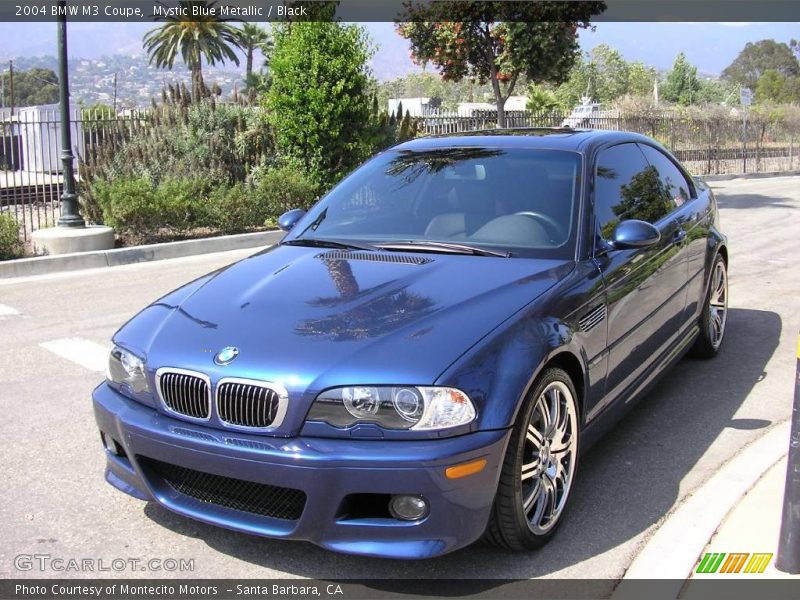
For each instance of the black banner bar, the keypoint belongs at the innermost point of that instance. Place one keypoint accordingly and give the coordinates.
(302, 589)
(392, 10)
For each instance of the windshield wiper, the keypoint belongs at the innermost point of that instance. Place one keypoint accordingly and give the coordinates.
(429, 245)
(322, 243)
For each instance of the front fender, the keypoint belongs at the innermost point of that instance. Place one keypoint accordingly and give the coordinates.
(498, 373)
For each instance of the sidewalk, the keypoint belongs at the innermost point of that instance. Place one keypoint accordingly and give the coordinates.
(736, 511)
(752, 527)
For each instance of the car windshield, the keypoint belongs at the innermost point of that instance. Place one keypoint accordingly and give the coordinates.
(518, 202)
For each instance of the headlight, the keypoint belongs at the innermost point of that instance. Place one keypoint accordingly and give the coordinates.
(406, 407)
(127, 369)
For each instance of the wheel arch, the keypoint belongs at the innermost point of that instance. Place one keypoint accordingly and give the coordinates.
(570, 364)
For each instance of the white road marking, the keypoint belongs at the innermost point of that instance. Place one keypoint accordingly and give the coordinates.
(7, 311)
(88, 354)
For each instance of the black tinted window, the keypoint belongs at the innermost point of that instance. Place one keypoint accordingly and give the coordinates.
(628, 187)
(673, 180)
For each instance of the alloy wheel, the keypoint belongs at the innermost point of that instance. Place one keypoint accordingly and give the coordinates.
(550, 455)
(718, 305)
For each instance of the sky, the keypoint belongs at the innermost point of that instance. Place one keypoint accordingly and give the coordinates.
(709, 46)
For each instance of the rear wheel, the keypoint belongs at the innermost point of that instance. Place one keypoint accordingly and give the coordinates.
(539, 468)
(714, 317)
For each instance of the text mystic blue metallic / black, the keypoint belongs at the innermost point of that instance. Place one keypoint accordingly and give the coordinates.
(424, 356)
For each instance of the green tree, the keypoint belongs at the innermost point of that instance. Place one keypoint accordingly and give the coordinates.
(208, 37)
(319, 105)
(498, 42)
(641, 79)
(610, 71)
(715, 91)
(681, 84)
(31, 88)
(773, 86)
(758, 57)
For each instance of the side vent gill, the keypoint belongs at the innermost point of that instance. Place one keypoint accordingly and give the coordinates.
(593, 318)
(401, 259)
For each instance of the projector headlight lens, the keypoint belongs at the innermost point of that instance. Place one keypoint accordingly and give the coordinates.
(408, 407)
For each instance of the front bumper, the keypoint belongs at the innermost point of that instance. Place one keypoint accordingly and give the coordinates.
(327, 470)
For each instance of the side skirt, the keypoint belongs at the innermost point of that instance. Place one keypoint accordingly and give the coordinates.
(603, 422)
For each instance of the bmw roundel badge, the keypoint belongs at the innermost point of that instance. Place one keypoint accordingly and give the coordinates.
(226, 355)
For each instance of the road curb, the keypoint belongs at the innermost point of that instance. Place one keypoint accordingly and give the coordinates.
(728, 177)
(41, 265)
(672, 552)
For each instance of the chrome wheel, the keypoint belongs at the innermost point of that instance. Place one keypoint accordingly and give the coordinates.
(549, 457)
(718, 305)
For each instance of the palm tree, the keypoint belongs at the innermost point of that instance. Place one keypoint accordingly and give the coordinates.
(206, 37)
(255, 38)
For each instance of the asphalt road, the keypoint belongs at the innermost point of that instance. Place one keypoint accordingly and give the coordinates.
(56, 502)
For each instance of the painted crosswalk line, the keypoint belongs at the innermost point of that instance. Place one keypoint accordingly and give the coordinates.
(86, 353)
(7, 311)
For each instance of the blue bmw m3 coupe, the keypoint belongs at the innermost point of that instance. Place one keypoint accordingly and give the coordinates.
(424, 356)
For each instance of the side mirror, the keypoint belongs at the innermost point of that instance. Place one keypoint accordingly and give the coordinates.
(289, 219)
(634, 234)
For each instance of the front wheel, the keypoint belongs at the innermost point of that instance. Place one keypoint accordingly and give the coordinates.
(714, 316)
(539, 468)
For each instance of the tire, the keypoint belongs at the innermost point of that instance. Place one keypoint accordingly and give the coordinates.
(539, 468)
(714, 315)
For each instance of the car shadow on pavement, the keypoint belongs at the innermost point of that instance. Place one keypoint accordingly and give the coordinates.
(627, 482)
(726, 201)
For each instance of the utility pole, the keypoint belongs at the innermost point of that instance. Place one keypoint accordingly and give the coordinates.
(11, 84)
(70, 217)
(115, 94)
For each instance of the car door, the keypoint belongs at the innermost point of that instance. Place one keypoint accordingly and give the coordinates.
(690, 236)
(645, 287)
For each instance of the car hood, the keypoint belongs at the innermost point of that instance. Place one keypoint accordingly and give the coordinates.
(315, 318)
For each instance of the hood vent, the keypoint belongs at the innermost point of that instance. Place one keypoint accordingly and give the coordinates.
(593, 318)
(400, 259)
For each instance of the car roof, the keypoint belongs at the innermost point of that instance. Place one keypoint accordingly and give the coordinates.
(542, 138)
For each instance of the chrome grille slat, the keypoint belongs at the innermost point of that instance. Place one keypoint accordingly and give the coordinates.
(185, 393)
(247, 405)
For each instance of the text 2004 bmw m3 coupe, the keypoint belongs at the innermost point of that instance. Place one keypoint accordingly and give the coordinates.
(422, 359)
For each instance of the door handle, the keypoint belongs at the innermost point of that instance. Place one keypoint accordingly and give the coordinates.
(679, 236)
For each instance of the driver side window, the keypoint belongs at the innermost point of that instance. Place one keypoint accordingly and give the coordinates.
(627, 187)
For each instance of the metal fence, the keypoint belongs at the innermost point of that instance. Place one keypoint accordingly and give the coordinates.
(30, 153)
(711, 144)
(31, 175)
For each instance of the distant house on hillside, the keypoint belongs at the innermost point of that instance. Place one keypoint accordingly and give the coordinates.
(416, 107)
(427, 107)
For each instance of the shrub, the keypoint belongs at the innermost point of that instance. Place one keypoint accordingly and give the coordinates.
(128, 205)
(136, 207)
(319, 103)
(282, 188)
(220, 143)
(10, 244)
(184, 203)
(234, 209)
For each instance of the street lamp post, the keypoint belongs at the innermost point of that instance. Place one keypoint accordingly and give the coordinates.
(70, 215)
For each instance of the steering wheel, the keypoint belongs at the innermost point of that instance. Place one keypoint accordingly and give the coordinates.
(552, 224)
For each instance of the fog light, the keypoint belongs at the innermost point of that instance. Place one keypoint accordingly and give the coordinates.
(408, 508)
(109, 444)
